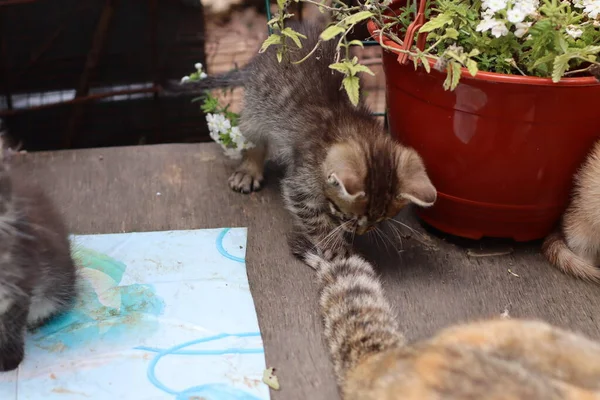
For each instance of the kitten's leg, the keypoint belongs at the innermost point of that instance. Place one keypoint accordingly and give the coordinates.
(13, 318)
(248, 176)
(557, 353)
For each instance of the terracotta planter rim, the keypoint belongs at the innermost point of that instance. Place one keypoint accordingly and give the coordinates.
(494, 76)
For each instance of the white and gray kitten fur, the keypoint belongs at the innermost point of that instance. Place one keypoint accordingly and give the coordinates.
(344, 173)
(37, 273)
(575, 247)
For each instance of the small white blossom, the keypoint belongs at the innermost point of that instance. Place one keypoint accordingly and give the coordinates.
(203, 75)
(522, 28)
(198, 66)
(574, 31)
(496, 26)
(592, 8)
(499, 29)
(217, 123)
(515, 15)
(185, 79)
(495, 5)
(488, 13)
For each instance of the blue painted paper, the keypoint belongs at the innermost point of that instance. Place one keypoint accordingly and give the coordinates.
(160, 315)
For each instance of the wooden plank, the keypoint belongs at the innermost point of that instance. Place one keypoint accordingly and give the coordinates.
(434, 285)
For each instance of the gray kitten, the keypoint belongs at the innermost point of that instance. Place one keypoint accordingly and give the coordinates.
(37, 273)
(344, 173)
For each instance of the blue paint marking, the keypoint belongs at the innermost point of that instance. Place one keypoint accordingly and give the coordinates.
(222, 250)
(209, 391)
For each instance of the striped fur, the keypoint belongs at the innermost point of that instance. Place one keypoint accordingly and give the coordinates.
(492, 360)
(358, 319)
(575, 248)
(343, 172)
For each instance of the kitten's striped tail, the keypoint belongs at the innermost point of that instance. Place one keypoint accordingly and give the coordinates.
(233, 78)
(358, 319)
(556, 250)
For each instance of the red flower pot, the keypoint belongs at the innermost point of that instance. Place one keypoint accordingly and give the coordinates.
(500, 149)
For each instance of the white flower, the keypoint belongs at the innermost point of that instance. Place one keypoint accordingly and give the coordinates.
(574, 31)
(592, 8)
(185, 79)
(488, 14)
(198, 66)
(497, 27)
(217, 124)
(203, 75)
(495, 5)
(522, 28)
(515, 15)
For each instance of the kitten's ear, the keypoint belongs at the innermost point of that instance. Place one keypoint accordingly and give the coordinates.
(347, 183)
(415, 185)
(345, 171)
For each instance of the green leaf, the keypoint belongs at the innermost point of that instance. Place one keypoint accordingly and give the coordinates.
(543, 60)
(561, 65)
(281, 4)
(356, 18)
(474, 53)
(435, 23)
(356, 42)
(453, 71)
(295, 36)
(425, 62)
(331, 32)
(352, 86)
(272, 39)
(472, 67)
(451, 33)
(456, 72)
(343, 67)
(279, 54)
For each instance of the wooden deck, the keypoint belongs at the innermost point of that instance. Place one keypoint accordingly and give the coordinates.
(432, 282)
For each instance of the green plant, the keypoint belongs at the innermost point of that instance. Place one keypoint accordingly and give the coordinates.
(222, 123)
(544, 38)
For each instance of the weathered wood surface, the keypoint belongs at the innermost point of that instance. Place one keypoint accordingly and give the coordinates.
(431, 282)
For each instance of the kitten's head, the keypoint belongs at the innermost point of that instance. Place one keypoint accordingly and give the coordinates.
(371, 180)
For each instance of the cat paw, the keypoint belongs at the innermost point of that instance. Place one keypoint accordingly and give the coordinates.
(11, 357)
(245, 182)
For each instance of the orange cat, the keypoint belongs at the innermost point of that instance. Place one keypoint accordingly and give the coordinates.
(489, 360)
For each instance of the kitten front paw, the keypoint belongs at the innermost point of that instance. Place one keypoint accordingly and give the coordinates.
(245, 182)
(11, 357)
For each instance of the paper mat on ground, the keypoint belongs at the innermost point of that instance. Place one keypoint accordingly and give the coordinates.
(161, 315)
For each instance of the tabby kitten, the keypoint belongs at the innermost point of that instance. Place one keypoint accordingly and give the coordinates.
(344, 174)
(575, 248)
(37, 274)
(492, 360)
